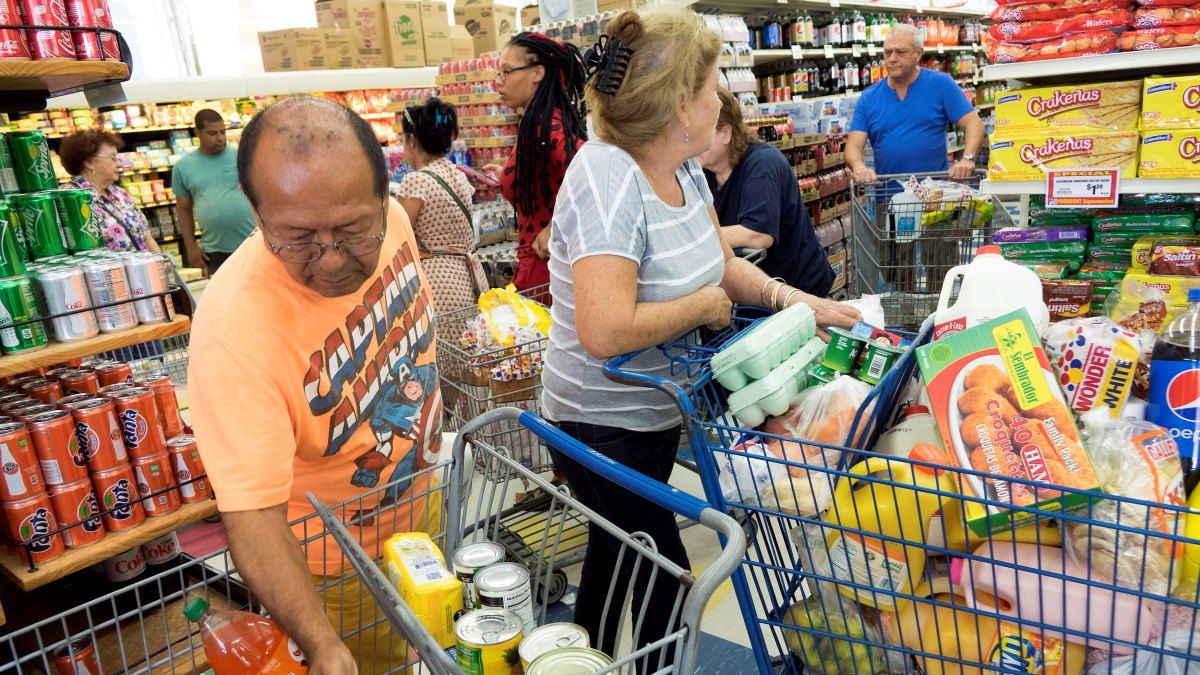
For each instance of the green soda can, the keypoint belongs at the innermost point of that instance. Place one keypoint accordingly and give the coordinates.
(39, 224)
(8, 173)
(17, 304)
(79, 229)
(12, 254)
(31, 159)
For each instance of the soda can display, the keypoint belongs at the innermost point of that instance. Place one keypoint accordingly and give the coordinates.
(185, 460)
(162, 550)
(46, 391)
(45, 44)
(77, 657)
(147, 275)
(26, 415)
(31, 159)
(550, 637)
(114, 389)
(70, 401)
(156, 484)
(16, 383)
(107, 284)
(57, 448)
(79, 381)
(125, 566)
(99, 434)
(12, 407)
(19, 462)
(114, 372)
(12, 241)
(138, 415)
(469, 559)
(64, 290)
(83, 13)
(39, 224)
(163, 386)
(119, 499)
(12, 40)
(76, 503)
(506, 586)
(80, 230)
(28, 524)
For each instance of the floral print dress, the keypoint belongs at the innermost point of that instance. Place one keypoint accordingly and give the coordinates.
(122, 224)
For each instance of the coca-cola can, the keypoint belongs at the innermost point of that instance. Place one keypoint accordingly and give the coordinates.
(162, 550)
(163, 386)
(28, 524)
(119, 499)
(156, 484)
(189, 469)
(99, 434)
(48, 44)
(140, 427)
(76, 503)
(125, 566)
(22, 473)
(147, 275)
(114, 372)
(12, 42)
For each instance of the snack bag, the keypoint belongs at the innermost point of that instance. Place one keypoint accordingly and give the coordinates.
(1164, 219)
(1067, 298)
(1170, 154)
(1170, 102)
(506, 311)
(1095, 360)
(1024, 158)
(1032, 31)
(1075, 44)
(1110, 106)
(1052, 11)
(1159, 38)
(1012, 235)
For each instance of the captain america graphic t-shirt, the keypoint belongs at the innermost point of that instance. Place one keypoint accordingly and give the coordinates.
(292, 392)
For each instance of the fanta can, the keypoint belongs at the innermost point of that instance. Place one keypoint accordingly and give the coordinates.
(241, 643)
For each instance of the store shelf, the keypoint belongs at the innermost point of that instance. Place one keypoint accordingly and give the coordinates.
(488, 121)
(473, 76)
(1128, 186)
(26, 82)
(17, 569)
(147, 172)
(741, 6)
(1126, 65)
(58, 352)
(504, 142)
(800, 141)
(985, 106)
(762, 56)
(157, 204)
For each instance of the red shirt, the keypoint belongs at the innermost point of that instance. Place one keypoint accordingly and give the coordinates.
(532, 271)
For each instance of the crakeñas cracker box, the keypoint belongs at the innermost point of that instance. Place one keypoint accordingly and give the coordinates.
(1023, 158)
(1000, 411)
(1170, 154)
(1171, 102)
(1108, 106)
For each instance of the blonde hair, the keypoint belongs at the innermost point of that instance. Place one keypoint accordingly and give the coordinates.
(673, 54)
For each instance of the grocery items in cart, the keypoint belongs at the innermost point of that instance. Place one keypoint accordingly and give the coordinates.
(416, 568)
(990, 287)
(916, 426)
(238, 642)
(1174, 401)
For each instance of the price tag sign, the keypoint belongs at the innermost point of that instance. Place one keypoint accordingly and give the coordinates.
(1090, 188)
(871, 49)
(797, 52)
(856, 50)
(941, 49)
(829, 51)
(975, 47)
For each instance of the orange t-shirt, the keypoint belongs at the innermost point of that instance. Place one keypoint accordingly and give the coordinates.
(292, 392)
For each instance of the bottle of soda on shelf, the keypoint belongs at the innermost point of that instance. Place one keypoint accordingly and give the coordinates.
(1175, 386)
(809, 31)
(238, 643)
(860, 28)
(847, 30)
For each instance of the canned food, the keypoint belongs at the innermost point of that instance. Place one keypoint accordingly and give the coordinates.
(28, 524)
(18, 305)
(506, 586)
(46, 391)
(70, 401)
(58, 451)
(12, 43)
(484, 640)
(570, 660)
(12, 241)
(189, 469)
(125, 566)
(79, 381)
(162, 550)
(114, 372)
(147, 275)
(19, 462)
(26, 415)
(119, 500)
(163, 386)
(877, 361)
(39, 224)
(99, 434)
(64, 290)
(76, 503)
(550, 637)
(138, 416)
(468, 560)
(31, 159)
(156, 484)
(843, 350)
(77, 657)
(48, 44)
(80, 231)
(106, 285)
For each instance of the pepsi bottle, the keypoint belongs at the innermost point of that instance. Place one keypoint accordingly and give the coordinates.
(1175, 386)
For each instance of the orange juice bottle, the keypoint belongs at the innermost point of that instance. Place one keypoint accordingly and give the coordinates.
(1188, 587)
(240, 643)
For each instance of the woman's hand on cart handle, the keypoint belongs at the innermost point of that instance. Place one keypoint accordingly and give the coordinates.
(829, 313)
(718, 305)
(865, 174)
(335, 660)
(493, 170)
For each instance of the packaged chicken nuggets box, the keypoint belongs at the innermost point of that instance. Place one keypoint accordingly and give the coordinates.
(1000, 411)
(1110, 106)
(1024, 158)
(1170, 154)
(1171, 102)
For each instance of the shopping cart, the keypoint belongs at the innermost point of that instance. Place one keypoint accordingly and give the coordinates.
(862, 583)
(902, 250)
(140, 628)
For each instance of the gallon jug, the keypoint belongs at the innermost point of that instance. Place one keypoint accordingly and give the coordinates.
(906, 210)
(1030, 596)
(991, 286)
(948, 529)
(241, 643)
(889, 509)
(917, 426)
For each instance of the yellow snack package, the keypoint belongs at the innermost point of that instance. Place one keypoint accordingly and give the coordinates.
(415, 566)
(1108, 106)
(506, 310)
(1027, 158)
(1171, 103)
(1170, 154)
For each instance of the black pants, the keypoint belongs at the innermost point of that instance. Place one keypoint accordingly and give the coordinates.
(653, 454)
(215, 260)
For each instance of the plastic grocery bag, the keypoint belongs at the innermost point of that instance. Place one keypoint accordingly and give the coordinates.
(506, 311)
(871, 308)
(1179, 637)
(742, 478)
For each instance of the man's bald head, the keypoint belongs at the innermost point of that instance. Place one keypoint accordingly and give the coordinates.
(305, 128)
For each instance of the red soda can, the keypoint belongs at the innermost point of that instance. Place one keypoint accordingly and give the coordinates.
(76, 503)
(185, 460)
(168, 405)
(57, 448)
(19, 462)
(138, 415)
(70, 402)
(118, 497)
(46, 391)
(15, 404)
(79, 381)
(99, 434)
(48, 44)
(28, 524)
(113, 389)
(156, 484)
(82, 13)
(114, 372)
(25, 415)
(12, 397)
(77, 657)
(15, 384)
(12, 41)
(57, 372)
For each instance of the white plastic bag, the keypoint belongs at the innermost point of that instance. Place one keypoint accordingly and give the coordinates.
(744, 479)
(871, 309)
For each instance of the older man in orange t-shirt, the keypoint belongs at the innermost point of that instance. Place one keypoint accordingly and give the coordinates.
(312, 370)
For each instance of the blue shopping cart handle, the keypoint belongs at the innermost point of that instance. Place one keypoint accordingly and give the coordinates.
(638, 483)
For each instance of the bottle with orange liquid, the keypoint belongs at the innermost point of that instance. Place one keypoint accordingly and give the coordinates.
(238, 643)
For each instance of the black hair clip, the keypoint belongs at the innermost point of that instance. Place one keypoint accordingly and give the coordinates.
(607, 61)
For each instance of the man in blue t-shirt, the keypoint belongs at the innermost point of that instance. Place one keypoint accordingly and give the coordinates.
(905, 116)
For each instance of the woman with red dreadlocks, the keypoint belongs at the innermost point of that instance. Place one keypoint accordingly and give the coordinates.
(544, 78)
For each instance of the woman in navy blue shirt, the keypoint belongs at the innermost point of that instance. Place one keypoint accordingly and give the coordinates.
(758, 203)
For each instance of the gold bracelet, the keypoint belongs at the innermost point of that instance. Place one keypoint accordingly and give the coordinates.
(787, 301)
(775, 296)
(762, 294)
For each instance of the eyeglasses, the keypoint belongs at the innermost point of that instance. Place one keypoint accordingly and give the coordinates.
(112, 156)
(503, 73)
(351, 247)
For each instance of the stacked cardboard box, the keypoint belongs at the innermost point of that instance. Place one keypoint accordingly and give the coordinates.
(489, 25)
(295, 49)
(365, 21)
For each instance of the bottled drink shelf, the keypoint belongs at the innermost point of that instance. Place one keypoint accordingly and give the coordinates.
(57, 352)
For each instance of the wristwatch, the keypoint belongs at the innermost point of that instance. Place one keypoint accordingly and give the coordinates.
(970, 157)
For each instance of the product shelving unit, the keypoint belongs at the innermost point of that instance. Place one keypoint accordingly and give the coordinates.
(26, 85)
(1098, 67)
(752, 6)
(57, 352)
(1128, 186)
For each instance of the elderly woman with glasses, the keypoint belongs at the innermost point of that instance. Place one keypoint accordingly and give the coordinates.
(91, 158)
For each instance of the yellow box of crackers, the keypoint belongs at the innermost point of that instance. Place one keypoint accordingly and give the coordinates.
(1026, 158)
(1108, 106)
(1170, 154)
(1171, 103)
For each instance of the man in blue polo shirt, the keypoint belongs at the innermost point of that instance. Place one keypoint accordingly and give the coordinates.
(905, 116)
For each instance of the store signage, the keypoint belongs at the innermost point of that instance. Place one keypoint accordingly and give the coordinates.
(856, 50)
(941, 49)
(871, 49)
(1092, 188)
(797, 52)
(829, 51)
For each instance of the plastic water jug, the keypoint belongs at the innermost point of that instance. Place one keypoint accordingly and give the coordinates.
(917, 426)
(991, 286)
(906, 211)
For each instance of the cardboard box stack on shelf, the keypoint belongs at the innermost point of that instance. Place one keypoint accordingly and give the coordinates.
(364, 19)
(488, 24)
(293, 49)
